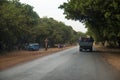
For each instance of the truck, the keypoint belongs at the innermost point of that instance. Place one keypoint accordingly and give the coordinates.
(86, 43)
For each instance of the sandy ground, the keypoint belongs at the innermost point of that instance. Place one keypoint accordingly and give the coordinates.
(17, 57)
(111, 55)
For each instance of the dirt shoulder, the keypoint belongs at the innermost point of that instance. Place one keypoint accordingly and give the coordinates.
(111, 55)
(17, 57)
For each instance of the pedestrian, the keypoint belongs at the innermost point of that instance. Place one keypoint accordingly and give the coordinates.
(46, 44)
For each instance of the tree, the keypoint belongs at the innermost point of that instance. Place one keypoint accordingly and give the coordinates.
(102, 21)
(15, 24)
(56, 32)
(19, 25)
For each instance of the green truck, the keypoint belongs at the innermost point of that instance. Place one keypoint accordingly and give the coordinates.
(86, 43)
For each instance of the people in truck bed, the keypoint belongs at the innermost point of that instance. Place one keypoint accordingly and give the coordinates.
(85, 39)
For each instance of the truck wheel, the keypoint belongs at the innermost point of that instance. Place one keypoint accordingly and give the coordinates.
(91, 49)
(80, 49)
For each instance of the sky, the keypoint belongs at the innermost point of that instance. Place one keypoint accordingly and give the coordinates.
(49, 8)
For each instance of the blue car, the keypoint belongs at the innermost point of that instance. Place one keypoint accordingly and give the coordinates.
(33, 46)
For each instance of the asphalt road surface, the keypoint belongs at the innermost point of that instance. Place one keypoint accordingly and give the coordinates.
(69, 64)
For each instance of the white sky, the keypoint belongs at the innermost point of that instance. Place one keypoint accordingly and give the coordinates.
(49, 8)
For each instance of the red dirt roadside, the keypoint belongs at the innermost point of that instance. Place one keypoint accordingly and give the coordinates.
(111, 55)
(17, 57)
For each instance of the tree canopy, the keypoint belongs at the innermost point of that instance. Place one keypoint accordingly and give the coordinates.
(101, 17)
(16, 19)
(20, 25)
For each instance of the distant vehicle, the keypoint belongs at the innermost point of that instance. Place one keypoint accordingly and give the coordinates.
(86, 43)
(33, 46)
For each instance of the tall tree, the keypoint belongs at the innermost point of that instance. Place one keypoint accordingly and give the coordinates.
(100, 17)
(15, 23)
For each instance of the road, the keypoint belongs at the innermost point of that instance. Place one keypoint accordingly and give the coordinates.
(69, 64)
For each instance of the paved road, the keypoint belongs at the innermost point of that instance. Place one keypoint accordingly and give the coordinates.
(65, 65)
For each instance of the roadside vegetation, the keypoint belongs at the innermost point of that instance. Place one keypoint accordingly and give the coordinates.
(20, 25)
(101, 17)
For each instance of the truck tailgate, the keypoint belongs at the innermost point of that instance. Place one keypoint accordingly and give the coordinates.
(86, 43)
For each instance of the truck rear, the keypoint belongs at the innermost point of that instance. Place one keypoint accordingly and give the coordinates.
(86, 43)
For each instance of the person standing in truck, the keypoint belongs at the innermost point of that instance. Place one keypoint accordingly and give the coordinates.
(91, 39)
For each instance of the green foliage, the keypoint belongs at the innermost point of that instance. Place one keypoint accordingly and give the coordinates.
(19, 25)
(56, 32)
(100, 17)
(16, 21)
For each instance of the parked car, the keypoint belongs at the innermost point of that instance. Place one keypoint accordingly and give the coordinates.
(33, 46)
